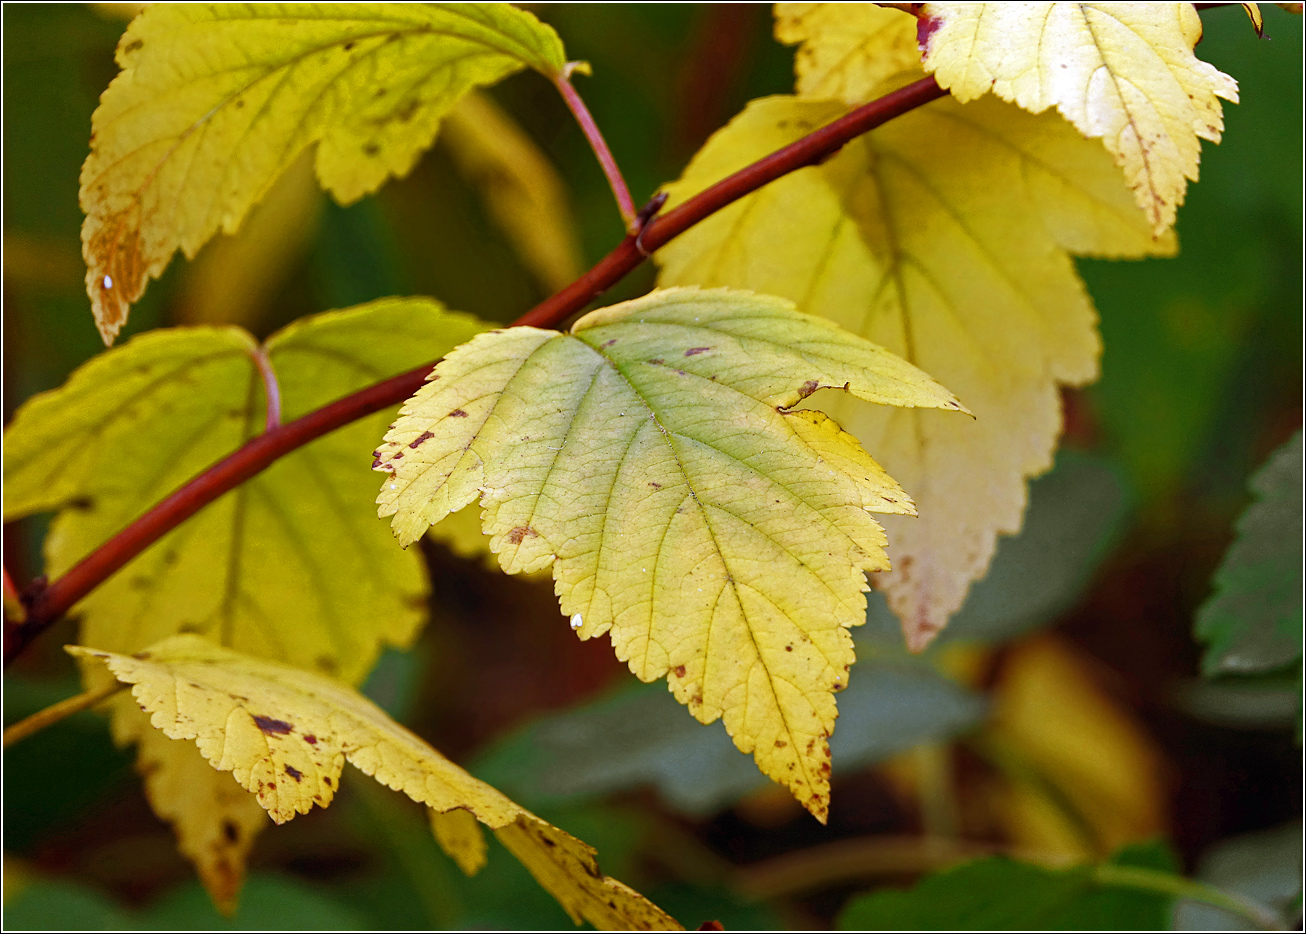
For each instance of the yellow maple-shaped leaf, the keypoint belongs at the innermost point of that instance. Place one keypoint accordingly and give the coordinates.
(651, 459)
(846, 49)
(1124, 72)
(285, 734)
(942, 236)
(299, 542)
(216, 100)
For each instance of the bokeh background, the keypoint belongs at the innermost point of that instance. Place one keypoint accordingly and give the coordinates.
(1061, 716)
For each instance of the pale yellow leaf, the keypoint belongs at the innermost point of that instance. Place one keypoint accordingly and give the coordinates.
(520, 186)
(1124, 72)
(846, 49)
(650, 458)
(215, 101)
(285, 734)
(460, 836)
(942, 236)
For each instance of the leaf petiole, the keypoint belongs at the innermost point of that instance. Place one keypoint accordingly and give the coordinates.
(625, 204)
(1165, 883)
(56, 712)
(271, 388)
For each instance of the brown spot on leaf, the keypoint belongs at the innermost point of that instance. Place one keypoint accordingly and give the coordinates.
(133, 45)
(457, 413)
(406, 113)
(696, 350)
(81, 503)
(808, 388)
(141, 655)
(311, 739)
(326, 780)
(371, 149)
(116, 271)
(655, 484)
(240, 103)
(294, 773)
(270, 725)
(349, 46)
(230, 831)
(521, 532)
(780, 744)
(424, 436)
(657, 361)
(609, 343)
(680, 671)
(789, 648)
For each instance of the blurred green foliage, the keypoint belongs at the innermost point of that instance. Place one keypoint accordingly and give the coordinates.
(1201, 381)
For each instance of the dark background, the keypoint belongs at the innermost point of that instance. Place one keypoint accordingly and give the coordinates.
(1201, 380)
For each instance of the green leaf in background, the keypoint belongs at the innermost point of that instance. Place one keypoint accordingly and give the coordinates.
(1075, 514)
(1254, 621)
(269, 903)
(1000, 894)
(1264, 867)
(640, 737)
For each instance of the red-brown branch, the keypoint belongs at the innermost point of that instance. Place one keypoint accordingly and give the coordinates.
(46, 604)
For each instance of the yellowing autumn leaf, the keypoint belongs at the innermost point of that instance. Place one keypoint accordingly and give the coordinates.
(1100, 779)
(846, 49)
(215, 101)
(1124, 72)
(521, 189)
(285, 733)
(651, 458)
(298, 542)
(942, 236)
(215, 820)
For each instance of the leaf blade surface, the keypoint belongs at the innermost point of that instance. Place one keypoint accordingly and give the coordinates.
(1122, 72)
(285, 734)
(297, 542)
(651, 457)
(214, 102)
(960, 266)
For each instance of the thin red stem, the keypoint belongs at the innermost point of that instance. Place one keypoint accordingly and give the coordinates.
(625, 204)
(46, 604)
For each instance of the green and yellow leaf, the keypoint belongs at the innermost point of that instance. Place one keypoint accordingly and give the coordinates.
(652, 459)
(285, 734)
(299, 542)
(944, 237)
(215, 101)
(1122, 72)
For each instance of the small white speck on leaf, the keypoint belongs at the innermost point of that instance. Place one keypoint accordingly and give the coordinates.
(577, 622)
(108, 282)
